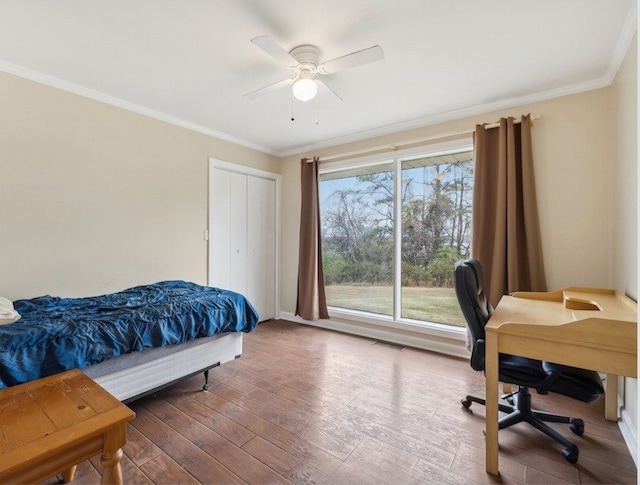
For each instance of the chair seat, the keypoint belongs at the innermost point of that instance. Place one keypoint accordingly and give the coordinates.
(520, 370)
(581, 384)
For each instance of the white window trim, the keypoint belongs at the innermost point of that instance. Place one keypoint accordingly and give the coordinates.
(442, 148)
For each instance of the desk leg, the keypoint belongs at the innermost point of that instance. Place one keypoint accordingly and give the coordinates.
(611, 398)
(491, 421)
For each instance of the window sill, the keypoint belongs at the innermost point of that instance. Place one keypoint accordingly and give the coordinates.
(449, 341)
(427, 328)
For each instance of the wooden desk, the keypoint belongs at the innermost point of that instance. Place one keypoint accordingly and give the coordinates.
(582, 327)
(50, 425)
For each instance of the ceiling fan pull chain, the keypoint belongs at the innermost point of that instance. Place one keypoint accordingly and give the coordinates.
(293, 103)
(317, 110)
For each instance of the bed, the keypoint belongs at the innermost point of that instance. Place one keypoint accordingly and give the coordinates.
(131, 342)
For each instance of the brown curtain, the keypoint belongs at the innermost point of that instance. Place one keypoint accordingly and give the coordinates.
(312, 304)
(505, 232)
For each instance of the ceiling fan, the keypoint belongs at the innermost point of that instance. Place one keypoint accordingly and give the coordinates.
(305, 65)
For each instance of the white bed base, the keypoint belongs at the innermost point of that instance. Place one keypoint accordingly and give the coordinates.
(163, 369)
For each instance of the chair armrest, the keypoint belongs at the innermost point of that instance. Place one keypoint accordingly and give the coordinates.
(553, 372)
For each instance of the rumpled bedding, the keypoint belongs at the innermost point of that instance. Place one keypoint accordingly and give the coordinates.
(57, 334)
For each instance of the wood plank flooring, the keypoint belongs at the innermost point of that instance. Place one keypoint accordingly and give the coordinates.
(307, 405)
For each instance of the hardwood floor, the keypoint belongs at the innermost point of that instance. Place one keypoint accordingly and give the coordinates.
(306, 405)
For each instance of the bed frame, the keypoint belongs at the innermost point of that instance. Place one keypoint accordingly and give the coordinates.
(138, 374)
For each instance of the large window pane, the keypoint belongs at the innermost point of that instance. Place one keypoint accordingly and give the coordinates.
(357, 238)
(431, 204)
(436, 224)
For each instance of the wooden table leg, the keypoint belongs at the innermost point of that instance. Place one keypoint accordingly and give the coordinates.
(112, 473)
(491, 420)
(114, 438)
(68, 474)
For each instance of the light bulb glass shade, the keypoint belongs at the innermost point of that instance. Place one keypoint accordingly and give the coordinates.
(305, 89)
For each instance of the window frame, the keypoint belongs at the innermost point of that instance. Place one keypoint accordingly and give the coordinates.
(395, 320)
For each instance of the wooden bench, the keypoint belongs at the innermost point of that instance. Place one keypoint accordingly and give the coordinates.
(50, 425)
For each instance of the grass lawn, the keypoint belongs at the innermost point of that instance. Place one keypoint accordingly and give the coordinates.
(438, 305)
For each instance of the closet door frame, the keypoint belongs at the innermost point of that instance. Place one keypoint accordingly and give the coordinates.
(254, 172)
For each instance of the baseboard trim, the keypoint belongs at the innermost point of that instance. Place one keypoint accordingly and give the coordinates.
(630, 434)
(380, 332)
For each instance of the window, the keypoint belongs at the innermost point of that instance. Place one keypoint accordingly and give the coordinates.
(392, 231)
(357, 207)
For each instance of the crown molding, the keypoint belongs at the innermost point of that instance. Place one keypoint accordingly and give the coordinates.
(624, 41)
(453, 115)
(127, 105)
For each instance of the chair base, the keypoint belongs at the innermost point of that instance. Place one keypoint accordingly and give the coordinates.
(519, 410)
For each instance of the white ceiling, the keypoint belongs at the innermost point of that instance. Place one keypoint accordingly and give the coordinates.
(189, 62)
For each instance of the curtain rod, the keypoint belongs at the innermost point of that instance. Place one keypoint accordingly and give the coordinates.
(515, 122)
(392, 147)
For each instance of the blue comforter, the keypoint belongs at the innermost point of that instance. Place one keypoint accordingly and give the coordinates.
(57, 334)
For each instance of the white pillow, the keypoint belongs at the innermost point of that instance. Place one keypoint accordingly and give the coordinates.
(8, 314)
(5, 303)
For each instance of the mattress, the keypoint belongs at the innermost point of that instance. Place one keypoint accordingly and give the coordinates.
(56, 334)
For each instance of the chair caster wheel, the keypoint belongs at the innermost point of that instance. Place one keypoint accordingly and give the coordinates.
(466, 403)
(570, 454)
(577, 426)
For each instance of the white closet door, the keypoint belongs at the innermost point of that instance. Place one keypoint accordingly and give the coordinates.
(243, 229)
(261, 245)
(228, 231)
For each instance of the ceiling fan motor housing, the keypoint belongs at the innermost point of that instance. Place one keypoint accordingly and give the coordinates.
(308, 57)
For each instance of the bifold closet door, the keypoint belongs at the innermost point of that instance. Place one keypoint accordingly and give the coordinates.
(228, 231)
(242, 226)
(261, 245)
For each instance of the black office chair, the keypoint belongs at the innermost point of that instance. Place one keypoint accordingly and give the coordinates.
(545, 377)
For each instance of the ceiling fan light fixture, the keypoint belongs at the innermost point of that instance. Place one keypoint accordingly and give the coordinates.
(305, 89)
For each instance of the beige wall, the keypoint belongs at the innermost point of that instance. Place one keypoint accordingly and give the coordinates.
(624, 175)
(95, 199)
(573, 154)
(624, 178)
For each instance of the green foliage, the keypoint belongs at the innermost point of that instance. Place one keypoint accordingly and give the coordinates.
(358, 225)
(413, 275)
(339, 270)
(336, 268)
(440, 269)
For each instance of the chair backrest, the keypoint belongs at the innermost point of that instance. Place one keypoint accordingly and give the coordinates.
(474, 305)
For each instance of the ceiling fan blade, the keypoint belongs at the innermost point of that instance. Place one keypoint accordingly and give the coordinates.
(267, 89)
(365, 56)
(329, 88)
(271, 47)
